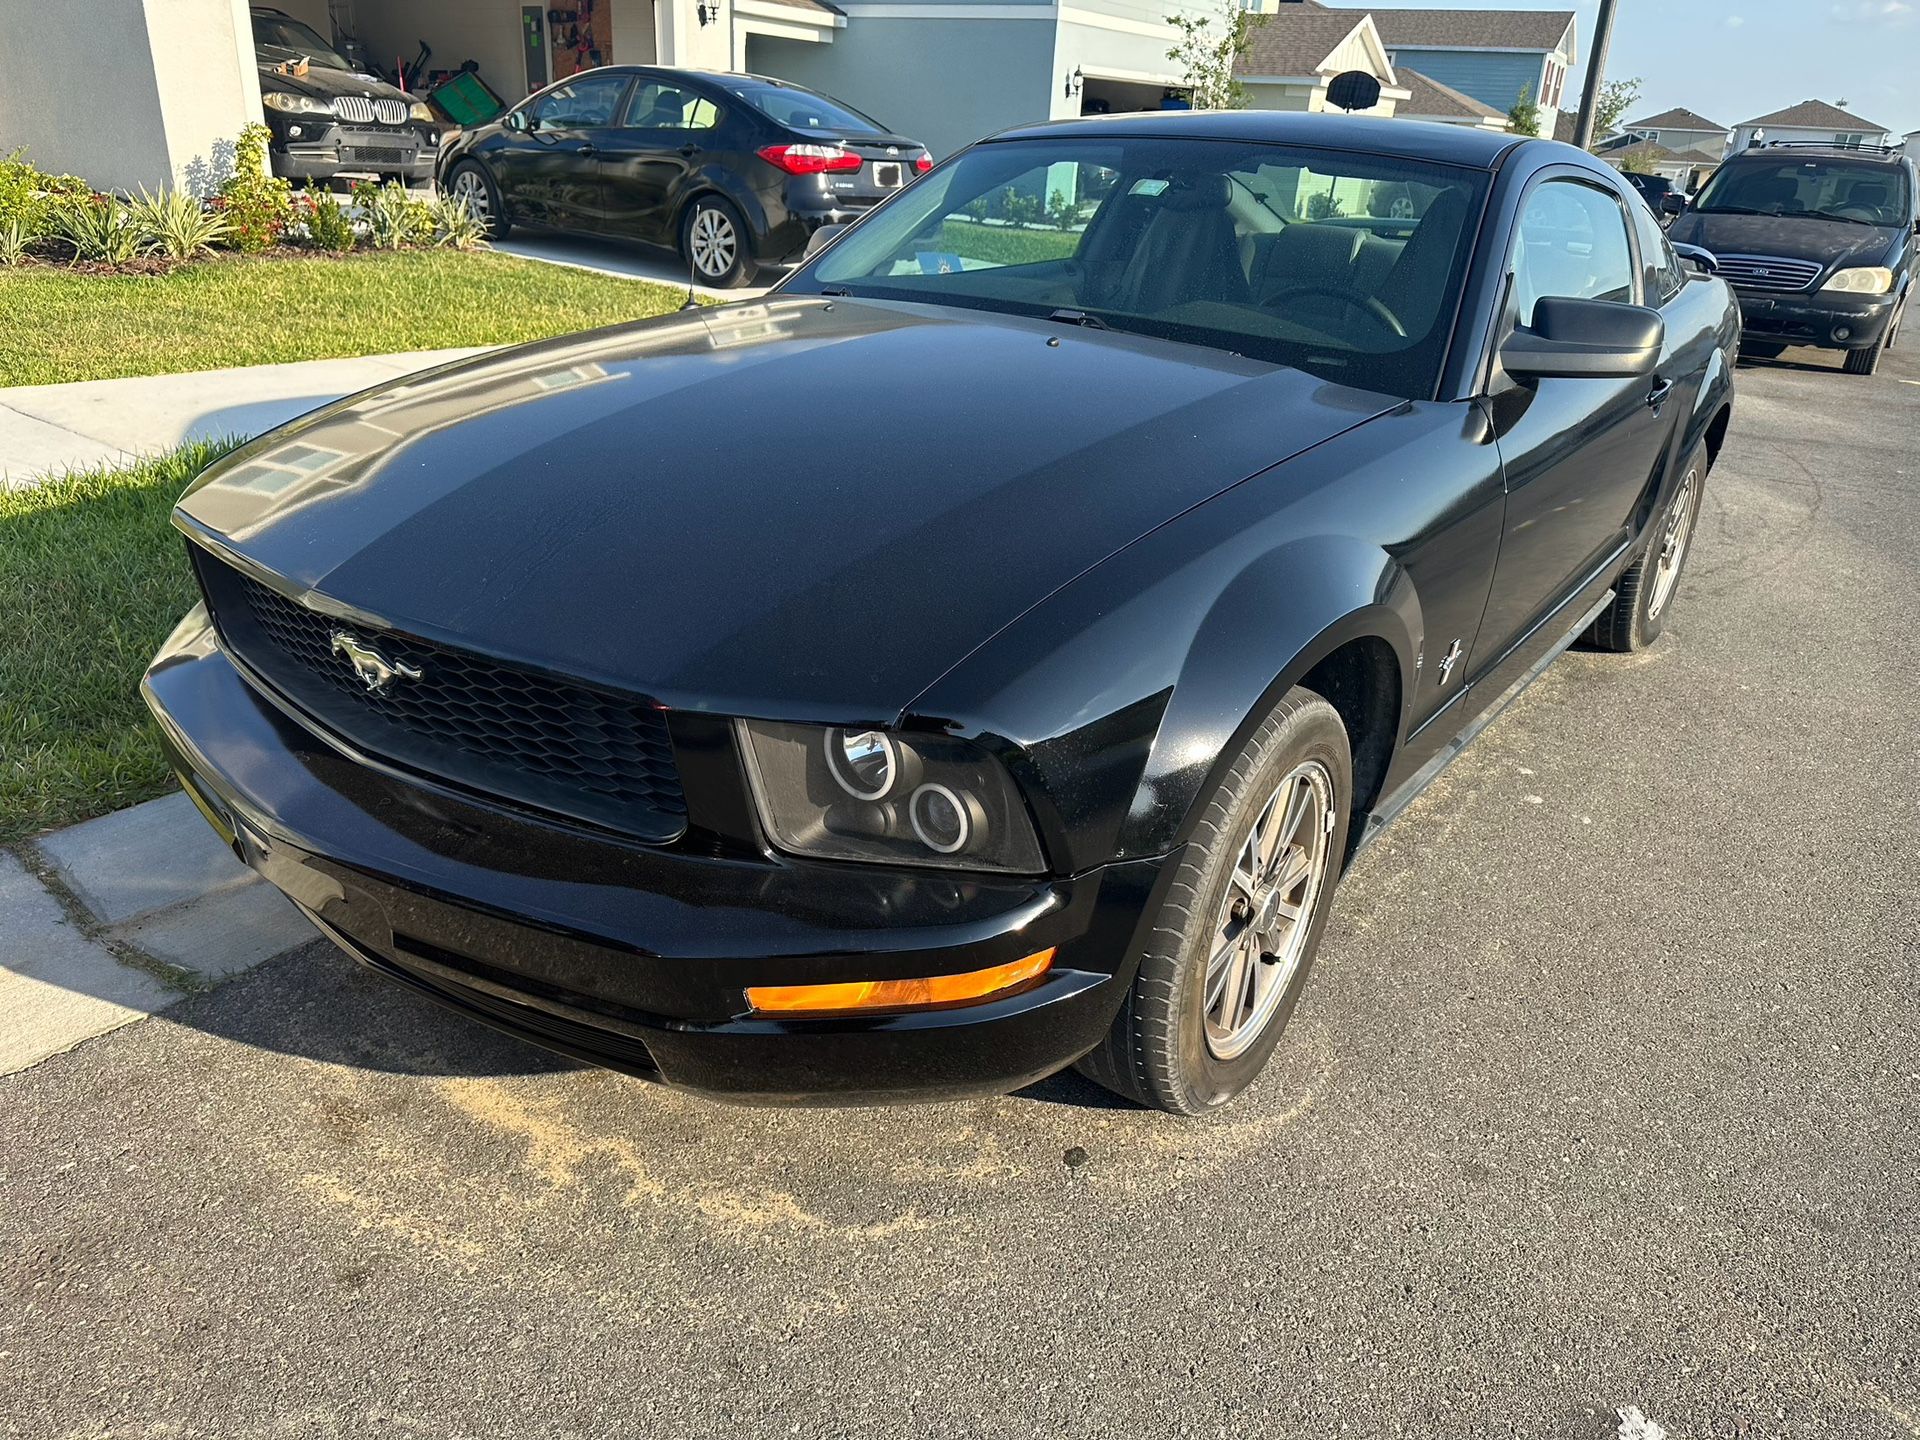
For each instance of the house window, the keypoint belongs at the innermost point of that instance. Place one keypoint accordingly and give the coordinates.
(1848, 142)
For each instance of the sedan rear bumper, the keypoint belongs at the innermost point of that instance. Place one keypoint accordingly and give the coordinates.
(635, 957)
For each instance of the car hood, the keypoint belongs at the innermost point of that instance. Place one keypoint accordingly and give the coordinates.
(323, 83)
(796, 508)
(1831, 242)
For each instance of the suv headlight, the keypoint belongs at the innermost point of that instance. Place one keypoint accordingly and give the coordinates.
(1862, 280)
(857, 793)
(420, 110)
(296, 104)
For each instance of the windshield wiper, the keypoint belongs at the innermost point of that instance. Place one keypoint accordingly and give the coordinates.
(1079, 317)
(1843, 219)
(1733, 210)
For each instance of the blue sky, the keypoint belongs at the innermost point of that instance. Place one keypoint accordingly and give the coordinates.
(1733, 59)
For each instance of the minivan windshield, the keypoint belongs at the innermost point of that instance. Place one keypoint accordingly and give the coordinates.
(1823, 187)
(1345, 265)
(278, 40)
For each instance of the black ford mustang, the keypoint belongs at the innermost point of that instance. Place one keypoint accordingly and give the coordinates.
(985, 653)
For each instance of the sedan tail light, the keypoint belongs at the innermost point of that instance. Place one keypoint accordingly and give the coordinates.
(810, 159)
(923, 162)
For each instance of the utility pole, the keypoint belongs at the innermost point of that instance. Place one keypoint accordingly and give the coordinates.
(1596, 73)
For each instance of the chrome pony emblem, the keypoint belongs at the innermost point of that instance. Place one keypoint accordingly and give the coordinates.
(376, 672)
(1448, 661)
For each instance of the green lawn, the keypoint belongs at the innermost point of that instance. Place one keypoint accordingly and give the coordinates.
(1006, 244)
(92, 577)
(56, 325)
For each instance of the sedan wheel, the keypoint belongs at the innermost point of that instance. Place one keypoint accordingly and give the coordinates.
(470, 186)
(714, 241)
(1227, 953)
(1643, 596)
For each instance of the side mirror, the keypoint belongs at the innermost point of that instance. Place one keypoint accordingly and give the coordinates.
(1586, 340)
(1705, 261)
(820, 239)
(515, 120)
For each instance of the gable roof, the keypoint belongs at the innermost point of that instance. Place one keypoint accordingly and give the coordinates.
(1646, 149)
(1816, 115)
(1676, 119)
(1430, 97)
(1542, 30)
(1297, 40)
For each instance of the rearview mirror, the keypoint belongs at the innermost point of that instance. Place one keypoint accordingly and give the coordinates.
(1584, 339)
(1705, 261)
(820, 239)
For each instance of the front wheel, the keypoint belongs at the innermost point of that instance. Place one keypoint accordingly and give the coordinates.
(1644, 595)
(715, 244)
(1865, 360)
(470, 185)
(1230, 949)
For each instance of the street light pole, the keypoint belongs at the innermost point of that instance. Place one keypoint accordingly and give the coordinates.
(1596, 72)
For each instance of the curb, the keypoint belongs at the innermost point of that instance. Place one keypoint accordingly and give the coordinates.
(115, 919)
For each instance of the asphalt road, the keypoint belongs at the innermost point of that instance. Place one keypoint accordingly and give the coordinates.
(1606, 1093)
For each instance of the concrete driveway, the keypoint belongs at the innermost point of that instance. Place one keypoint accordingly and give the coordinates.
(1606, 1094)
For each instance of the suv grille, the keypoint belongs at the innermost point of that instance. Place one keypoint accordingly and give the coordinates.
(359, 110)
(577, 750)
(1767, 272)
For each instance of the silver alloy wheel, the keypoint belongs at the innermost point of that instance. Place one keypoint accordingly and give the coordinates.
(1674, 536)
(713, 242)
(1261, 932)
(470, 189)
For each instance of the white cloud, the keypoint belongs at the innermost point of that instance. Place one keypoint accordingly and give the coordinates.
(1896, 12)
(1734, 22)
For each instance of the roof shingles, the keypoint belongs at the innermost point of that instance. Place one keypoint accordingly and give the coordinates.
(1430, 97)
(1817, 115)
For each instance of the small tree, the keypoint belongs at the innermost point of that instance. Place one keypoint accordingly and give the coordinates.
(1524, 117)
(1209, 48)
(1616, 97)
(1637, 161)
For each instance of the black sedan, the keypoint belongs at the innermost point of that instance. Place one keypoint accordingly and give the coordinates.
(735, 171)
(986, 653)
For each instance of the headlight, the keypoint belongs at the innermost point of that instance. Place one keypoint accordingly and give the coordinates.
(295, 104)
(857, 793)
(420, 110)
(1863, 280)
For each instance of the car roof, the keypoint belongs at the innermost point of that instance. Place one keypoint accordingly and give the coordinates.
(1414, 139)
(1813, 151)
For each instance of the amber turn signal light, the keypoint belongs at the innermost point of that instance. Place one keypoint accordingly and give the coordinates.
(899, 994)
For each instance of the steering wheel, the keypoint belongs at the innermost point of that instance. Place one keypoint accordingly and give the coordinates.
(1369, 305)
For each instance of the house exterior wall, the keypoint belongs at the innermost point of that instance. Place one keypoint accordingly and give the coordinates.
(1681, 139)
(945, 80)
(180, 74)
(1493, 77)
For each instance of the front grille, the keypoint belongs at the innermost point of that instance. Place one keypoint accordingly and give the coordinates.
(375, 154)
(1767, 272)
(576, 750)
(360, 110)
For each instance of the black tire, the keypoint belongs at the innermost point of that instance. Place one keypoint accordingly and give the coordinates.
(1899, 320)
(498, 221)
(1639, 610)
(1158, 1052)
(1865, 360)
(716, 217)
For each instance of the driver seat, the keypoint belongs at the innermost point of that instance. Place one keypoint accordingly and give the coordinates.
(1189, 251)
(1417, 284)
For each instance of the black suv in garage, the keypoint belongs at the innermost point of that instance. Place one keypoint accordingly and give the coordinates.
(327, 119)
(1818, 243)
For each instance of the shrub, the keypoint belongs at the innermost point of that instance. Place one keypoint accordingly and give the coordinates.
(456, 226)
(329, 227)
(1062, 211)
(100, 231)
(395, 218)
(256, 207)
(31, 197)
(175, 224)
(976, 208)
(14, 241)
(1321, 206)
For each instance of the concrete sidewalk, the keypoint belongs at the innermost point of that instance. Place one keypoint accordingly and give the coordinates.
(47, 429)
(109, 921)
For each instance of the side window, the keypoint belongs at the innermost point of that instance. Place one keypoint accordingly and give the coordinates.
(581, 104)
(1661, 275)
(1572, 242)
(658, 106)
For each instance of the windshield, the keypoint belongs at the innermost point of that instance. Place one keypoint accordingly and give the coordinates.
(1823, 187)
(1347, 266)
(278, 40)
(799, 109)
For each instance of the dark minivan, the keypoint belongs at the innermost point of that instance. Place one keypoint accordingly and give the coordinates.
(735, 171)
(1817, 242)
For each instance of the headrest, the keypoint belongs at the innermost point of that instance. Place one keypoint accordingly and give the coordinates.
(1197, 192)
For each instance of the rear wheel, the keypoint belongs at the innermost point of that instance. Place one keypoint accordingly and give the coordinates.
(1644, 595)
(1236, 934)
(715, 243)
(472, 186)
(1866, 360)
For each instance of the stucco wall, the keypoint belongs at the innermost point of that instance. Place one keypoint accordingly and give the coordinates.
(944, 82)
(128, 92)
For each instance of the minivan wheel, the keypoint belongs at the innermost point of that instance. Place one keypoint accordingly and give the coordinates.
(1643, 597)
(1865, 360)
(471, 185)
(1230, 949)
(715, 243)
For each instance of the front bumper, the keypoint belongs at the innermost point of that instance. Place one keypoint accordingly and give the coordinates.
(324, 149)
(1829, 322)
(634, 957)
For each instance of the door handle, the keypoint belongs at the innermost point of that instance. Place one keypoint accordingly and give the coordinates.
(689, 150)
(1658, 395)
(585, 147)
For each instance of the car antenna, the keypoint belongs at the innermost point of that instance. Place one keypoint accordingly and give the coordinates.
(693, 299)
